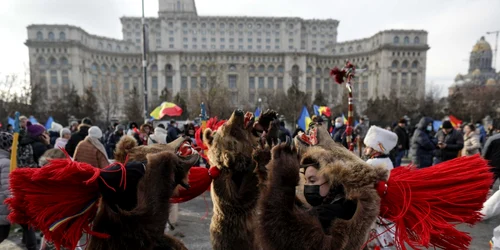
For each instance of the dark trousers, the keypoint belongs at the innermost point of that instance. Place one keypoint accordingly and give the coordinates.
(29, 237)
(4, 232)
(399, 157)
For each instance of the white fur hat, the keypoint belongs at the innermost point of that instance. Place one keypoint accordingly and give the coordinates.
(95, 132)
(380, 139)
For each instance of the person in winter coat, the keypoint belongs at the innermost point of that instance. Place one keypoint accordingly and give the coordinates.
(284, 132)
(91, 150)
(172, 131)
(54, 132)
(158, 137)
(145, 131)
(78, 136)
(403, 141)
(379, 143)
(422, 144)
(61, 142)
(37, 137)
(491, 152)
(338, 133)
(472, 144)
(5, 147)
(114, 138)
(450, 142)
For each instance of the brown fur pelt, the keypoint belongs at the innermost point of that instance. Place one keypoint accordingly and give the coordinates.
(124, 145)
(127, 147)
(143, 226)
(234, 192)
(283, 225)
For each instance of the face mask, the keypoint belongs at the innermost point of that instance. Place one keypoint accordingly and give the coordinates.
(311, 193)
(429, 128)
(338, 125)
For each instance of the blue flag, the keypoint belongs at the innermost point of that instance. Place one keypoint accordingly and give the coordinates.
(12, 122)
(436, 125)
(257, 112)
(33, 120)
(49, 122)
(304, 119)
(316, 109)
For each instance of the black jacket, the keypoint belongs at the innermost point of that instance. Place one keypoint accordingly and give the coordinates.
(491, 152)
(423, 144)
(77, 137)
(172, 133)
(403, 138)
(38, 147)
(454, 143)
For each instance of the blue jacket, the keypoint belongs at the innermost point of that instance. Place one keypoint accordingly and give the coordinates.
(422, 144)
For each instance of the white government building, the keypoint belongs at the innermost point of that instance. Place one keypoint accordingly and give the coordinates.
(256, 55)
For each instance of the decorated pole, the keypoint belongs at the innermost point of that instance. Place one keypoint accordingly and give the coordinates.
(13, 153)
(347, 75)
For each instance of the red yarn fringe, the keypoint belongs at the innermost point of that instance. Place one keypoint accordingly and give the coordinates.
(426, 204)
(199, 180)
(44, 196)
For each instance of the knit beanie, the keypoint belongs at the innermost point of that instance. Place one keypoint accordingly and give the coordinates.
(87, 121)
(5, 141)
(447, 125)
(95, 132)
(35, 130)
(64, 131)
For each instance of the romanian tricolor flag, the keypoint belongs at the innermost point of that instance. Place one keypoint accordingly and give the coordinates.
(166, 108)
(322, 110)
(345, 119)
(455, 121)
(304, 119)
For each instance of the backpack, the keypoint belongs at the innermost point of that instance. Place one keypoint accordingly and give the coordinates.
(25, 157)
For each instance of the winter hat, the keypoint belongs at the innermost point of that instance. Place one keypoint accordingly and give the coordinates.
(95, 132)
(380, 139)
(120, 127)
(35, 130)
(447, 125)
(87, 121)
(5, 141)
(64, 131)
(56, 127)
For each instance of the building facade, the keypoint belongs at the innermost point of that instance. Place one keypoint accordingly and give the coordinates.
(480, 73)
(253, 54)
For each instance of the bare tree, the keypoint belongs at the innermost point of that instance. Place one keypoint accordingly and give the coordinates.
(133, 106)
(319, 99)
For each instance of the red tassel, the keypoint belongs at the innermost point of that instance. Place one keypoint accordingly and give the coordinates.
(60, 199)
(426, 204)
(199, 180)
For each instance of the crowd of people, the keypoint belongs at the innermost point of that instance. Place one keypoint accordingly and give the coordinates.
(87, 143)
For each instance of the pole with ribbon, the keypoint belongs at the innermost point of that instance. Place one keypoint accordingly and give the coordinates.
(346, 74)
(13, 153)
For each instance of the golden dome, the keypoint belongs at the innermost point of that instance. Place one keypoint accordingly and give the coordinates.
(481, 45)
(458, 77)
(491, 82)
(476, 72)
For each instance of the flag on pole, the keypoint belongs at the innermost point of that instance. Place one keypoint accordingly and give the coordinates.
(204, 116)
(257, 112)
(33, 120)
(11, 121)
(166, 108)
(322, 110)
(436, 125)
(304, 119)
(13, 151)
(345, 119)
(49, 122)
(455, 121)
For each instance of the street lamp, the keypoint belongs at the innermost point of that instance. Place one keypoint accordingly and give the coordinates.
(260, 104)
(144, 65)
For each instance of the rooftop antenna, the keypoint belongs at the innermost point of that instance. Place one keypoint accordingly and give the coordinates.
(496, 46)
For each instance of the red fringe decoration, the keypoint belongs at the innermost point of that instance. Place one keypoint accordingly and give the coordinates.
(212, 123)
(199, 180)
(42, 197)
(426, 204)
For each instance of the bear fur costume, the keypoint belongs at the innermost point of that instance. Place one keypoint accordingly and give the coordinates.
(284, 225)
(235, 192)
(127, 147)
(142, 226)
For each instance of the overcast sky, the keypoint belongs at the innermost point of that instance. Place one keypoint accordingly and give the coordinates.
(454, 26)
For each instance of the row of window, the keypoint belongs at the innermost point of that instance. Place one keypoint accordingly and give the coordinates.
(51, 36)
(261, 84)
(405, 64)
(231, 40)
(54, 79)
(406, 40)
(231, 33)
(52, 61)
(212, 25)
(404, 79)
